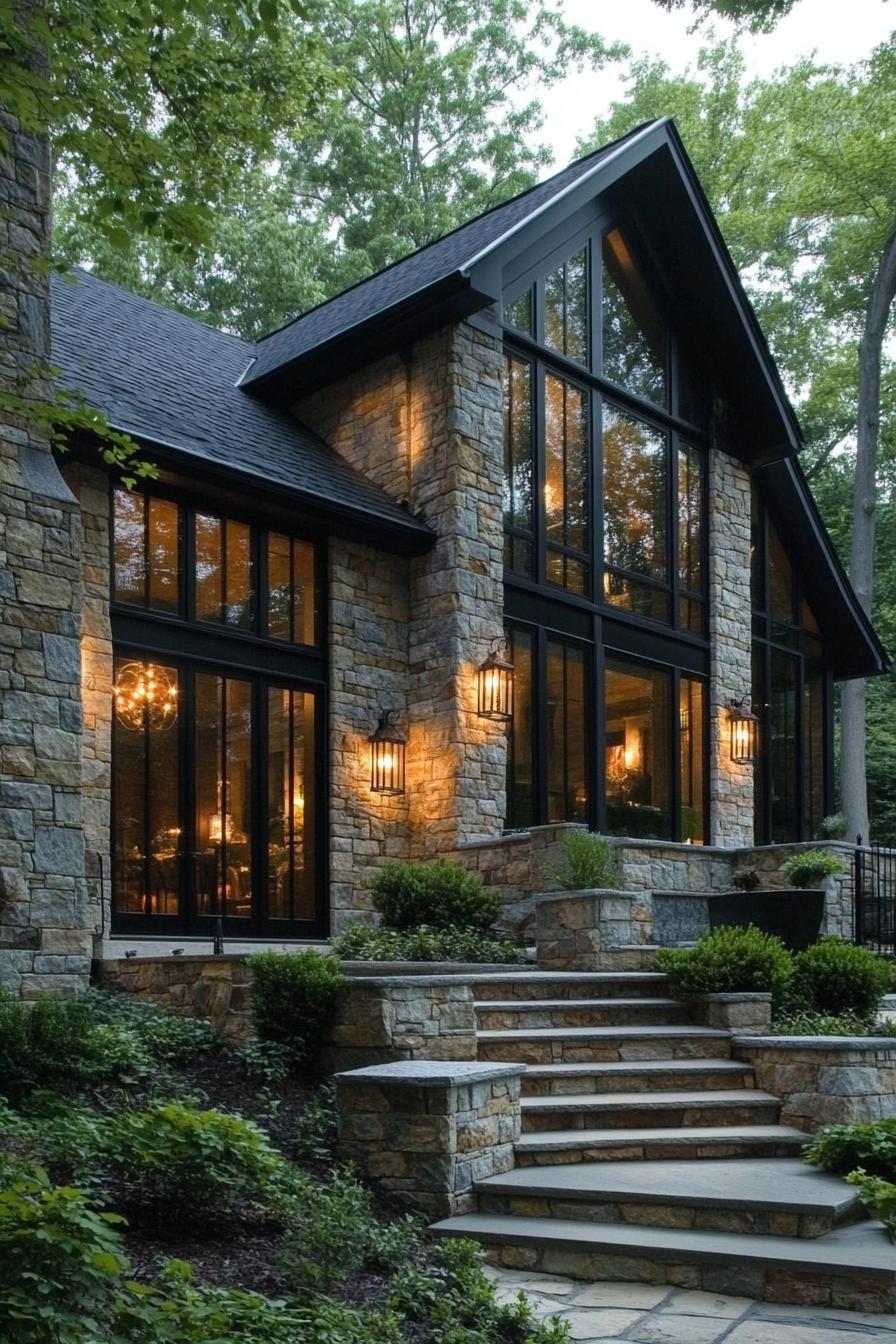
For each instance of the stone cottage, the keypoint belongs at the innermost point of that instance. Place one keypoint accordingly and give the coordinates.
(512, 534)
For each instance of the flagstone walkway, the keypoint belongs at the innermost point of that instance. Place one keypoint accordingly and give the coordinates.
(604, 1313)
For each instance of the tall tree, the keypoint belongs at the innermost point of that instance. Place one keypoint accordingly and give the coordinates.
(425, 129)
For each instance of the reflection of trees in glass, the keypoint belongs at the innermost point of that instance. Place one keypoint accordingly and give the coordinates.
(517, 493)
(690, 519)
(224, 580)
(566, 308)
(519, 313)
(634, 494)
(146, 548)
(567, 733)
(566, 471)
(634, 334)
(130, 556)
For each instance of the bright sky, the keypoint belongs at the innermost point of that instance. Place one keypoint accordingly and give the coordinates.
(834, 30)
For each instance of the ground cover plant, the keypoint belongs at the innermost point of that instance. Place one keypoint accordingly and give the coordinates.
(359, 942)
(174, 1190)
(866, 1155)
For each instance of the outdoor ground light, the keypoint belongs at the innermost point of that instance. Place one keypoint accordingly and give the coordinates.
(388, 755)
(743, 731)
(495, 684)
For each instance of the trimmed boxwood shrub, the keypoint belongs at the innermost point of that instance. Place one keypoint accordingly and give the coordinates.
(438, 895)
(836, 977)
(294, 997)
(729, 960)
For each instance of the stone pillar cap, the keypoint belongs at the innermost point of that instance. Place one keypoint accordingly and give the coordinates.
(431, 1073)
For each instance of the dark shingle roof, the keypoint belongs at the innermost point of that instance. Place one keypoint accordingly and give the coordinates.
(423, 268)
(171, 380)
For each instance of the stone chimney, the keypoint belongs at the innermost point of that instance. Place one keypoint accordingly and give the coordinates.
(45, 944)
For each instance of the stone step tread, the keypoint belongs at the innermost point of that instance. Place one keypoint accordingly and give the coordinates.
(658, 1101)
(534, 1005)
(861, 1250)
(603, 1033)
(568, 977)
(637, 1066)
(778, 1184)
(562, 1140)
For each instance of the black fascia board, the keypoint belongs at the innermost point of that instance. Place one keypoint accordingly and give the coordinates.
(852, 647)
(448, 301)
(186, 470)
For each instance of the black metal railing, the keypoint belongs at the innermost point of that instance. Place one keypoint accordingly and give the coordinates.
(875, 898)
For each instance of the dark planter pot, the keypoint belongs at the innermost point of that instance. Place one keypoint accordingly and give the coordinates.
(794, 915)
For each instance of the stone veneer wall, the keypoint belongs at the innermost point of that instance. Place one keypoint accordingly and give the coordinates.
(730, 635)
(45, 942)
(410, 634)
(216, 988)
(828, 1080)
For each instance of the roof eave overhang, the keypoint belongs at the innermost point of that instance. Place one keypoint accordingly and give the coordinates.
(394, 535)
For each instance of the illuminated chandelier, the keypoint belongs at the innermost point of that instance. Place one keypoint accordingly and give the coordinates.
(145, 696)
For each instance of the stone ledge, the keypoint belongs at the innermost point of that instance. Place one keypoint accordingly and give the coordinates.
(431, 1073)
(844, 1043)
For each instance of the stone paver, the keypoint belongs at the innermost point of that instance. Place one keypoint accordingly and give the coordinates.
(603, 1313)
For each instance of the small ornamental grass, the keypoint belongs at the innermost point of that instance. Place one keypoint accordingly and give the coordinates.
(588, 862)
(729, 960)
(438, 895)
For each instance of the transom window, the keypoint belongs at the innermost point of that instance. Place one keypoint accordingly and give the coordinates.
(218, 571)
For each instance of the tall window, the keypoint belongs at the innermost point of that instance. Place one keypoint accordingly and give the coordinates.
(791, 694)
(566, 500)
(216, 750)
(634, 334)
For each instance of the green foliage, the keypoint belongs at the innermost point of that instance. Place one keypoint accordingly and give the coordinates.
(61, 1258)
(588, 862)
(833, 827)
(327, 1229)
(810, 868)
(358, 942)
(833, 976)
(439, 895)
(727, 961)
(184, 1157)
(880, 1195)
(315, 1133)
(452, 1300)
(48, 1042)
(846, 1148)
(294, 997)
(167, 1037)
(807, 1022)
(268, 1061)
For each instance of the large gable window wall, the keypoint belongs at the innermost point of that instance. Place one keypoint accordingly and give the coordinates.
(792, 694)
(219, 682)
(605, 537)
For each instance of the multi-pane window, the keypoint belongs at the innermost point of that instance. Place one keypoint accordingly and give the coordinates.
(291, 804)
(566, 484)
(634, 334)
(636, 478)
(566, 308)
(791, 694)
(229, 557)
(567, 736)
(518, 466)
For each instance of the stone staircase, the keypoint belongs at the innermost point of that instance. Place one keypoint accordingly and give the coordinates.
(648, 1154)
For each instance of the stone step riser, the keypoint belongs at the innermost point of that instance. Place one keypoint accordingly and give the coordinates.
(564, 1050)
(595, 1084)
(590, 1015)
(761, 1222)
(649, 1117)
(571, 987)
(681, 1149)
(763, 1282)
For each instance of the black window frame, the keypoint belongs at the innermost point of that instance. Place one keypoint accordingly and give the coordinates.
(194, 647)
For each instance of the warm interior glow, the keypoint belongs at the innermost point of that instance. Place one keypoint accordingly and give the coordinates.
(215, 832)
(145, 695)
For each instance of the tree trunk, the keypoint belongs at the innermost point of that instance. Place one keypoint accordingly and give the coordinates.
(853, 780)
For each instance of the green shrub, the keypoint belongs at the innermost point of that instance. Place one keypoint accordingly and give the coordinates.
(810, 868)
(588, 862)
(358, 942)
(268, 1061)
(314, 1137)
(438, 895)
(294, 997)
(805, 1022)
(845, 1148)
(62, 1260)
(46, 1043)
(833, 976)
(181, 1156)
(833, 827)
(327, 1229)
(729, 960)
(880, 1195)
(166, 1037)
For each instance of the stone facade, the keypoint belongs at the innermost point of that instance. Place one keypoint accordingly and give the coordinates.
(827, 1080)
(425, 1132)
(215, 988)
(381, 1019)
(730, 636)
(575, 930)
(45, 943)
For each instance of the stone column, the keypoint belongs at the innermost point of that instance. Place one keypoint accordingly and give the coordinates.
(730, 785)
(45, 941)
(425, 1132)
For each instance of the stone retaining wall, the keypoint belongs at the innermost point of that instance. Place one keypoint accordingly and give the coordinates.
(388, 1018)
(824, 1080)
(575, 930)
(216, 988)
(424, 1132)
